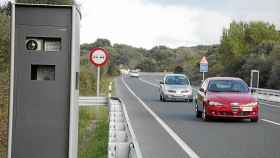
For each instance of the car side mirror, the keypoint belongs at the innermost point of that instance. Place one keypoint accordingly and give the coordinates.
(161, 82)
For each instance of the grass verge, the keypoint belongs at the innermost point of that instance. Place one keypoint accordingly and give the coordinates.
(93, 132)
(4, 91)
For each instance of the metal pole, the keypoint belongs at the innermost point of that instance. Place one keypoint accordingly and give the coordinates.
(203, 76)
(98, 81)
(251, 81)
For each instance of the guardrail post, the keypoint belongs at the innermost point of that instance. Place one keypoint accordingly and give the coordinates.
(110, 90)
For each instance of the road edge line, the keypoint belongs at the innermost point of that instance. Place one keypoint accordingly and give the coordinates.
(178, 140)
(272, 122)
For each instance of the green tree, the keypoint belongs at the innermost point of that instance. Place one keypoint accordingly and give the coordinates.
(246, 46)
(104, 43)
(178, 69)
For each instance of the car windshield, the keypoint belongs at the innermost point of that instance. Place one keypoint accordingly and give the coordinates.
(228, 86)
(176, 80)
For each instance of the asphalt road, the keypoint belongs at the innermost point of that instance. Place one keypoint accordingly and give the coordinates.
(177, 133)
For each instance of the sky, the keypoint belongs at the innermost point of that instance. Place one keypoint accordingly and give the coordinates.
(173, 23)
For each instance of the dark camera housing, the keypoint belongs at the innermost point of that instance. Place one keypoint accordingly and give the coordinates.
(31, 44)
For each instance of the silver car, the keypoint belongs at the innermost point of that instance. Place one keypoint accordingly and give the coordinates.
(134, 73)
(175, 87)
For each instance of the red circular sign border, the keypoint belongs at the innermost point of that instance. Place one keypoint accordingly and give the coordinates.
(92, 50)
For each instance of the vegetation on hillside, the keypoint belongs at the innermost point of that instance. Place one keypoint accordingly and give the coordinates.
(247, 46)
(4, 79)
(243, 47)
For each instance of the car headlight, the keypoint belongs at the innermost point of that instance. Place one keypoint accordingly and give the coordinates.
(171, 91)
(253, 104)
(187, 91)
(213, 103)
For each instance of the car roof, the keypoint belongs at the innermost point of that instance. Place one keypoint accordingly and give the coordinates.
(174, 75)
(224, 78)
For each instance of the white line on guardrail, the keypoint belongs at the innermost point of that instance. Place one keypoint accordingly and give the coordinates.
(92, 101)
(275, 106)
(180, 142)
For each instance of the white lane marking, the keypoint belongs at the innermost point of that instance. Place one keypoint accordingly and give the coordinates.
(275, 106)
(181, 143)
(150, 83)
(269, 121)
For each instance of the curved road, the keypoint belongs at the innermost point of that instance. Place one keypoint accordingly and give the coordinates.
(171, 130)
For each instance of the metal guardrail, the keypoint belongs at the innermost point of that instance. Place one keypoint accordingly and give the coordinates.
(92, 101)
(122, 140)
(266, 94)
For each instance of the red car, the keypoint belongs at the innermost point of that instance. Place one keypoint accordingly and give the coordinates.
(226, 97)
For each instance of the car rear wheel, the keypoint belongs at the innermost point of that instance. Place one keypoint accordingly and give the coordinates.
(163, 98)
(205, 117)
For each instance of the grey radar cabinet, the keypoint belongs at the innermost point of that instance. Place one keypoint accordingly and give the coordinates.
(45, 59)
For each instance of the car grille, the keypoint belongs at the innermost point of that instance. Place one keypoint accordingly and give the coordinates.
(244, 113)
(234, 108)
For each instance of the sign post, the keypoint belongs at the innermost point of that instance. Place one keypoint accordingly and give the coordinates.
(255, 75)
(203, 66)
(99, 57)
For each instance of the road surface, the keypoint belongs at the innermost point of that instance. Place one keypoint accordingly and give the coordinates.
(171, 130)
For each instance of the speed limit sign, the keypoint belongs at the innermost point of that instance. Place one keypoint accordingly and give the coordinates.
(98, 56)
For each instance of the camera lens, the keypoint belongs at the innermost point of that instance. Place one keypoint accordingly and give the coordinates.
(31, 45)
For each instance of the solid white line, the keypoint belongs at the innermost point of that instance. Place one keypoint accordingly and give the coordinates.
(269, 121)
(150, 83)
(181, 143)
(275, 106)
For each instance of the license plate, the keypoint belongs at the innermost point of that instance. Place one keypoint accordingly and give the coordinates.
(178, 95)
(247, 108)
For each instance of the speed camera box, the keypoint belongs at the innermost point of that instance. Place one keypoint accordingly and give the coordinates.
(44, 85)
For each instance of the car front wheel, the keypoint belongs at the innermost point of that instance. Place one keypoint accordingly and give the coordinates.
(205, 117)
(255, 119)
(198, 113)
